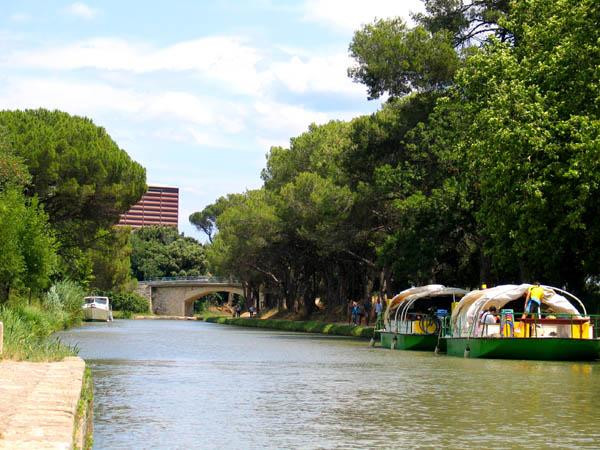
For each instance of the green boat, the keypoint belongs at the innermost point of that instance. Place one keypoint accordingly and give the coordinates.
(548, 349)
(414, 318)
(399, 341)
(557, 331)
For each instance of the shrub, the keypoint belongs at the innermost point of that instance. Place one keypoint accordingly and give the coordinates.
(65, 295)
(128, 301)
(26, 331)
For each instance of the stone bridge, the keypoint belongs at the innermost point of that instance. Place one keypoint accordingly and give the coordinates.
(176, 296)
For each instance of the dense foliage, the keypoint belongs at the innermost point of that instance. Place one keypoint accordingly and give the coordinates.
(163, 252)
(79, 175)
(482, 166)
(126, 301)
(29, 324)
(27, 242)
(110, 256)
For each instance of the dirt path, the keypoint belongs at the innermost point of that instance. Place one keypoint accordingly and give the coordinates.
(38, 403)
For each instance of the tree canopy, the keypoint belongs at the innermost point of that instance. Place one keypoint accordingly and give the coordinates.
(163, 252)
(482, 165)
(80, 175)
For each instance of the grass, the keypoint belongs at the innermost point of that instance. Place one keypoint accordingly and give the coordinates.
(28, 329)
(310, 326)
(122, 315)
(84, 416)
(210, 313)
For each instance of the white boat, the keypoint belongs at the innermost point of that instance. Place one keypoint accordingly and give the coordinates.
(97, 308)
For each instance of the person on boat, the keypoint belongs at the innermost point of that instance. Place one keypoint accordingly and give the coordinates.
(533, 300)
(489, 317)
(367, 309)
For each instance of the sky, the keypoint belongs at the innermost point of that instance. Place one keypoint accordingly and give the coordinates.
(196, 91)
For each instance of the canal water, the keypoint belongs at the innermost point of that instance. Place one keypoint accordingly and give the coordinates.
(187, 384)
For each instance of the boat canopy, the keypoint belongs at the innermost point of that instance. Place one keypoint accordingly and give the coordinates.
(480, 300)
(415, 293)
(96, 299)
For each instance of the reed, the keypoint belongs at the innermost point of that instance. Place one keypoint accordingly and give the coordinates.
(30, 323)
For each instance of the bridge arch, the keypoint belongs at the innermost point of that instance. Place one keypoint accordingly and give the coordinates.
(176, 296)
(203, 292)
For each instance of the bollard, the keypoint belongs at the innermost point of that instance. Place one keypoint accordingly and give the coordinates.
(1, 337)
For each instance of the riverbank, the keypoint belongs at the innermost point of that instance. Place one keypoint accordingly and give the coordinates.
(28, 332)
(310, 326)
(46, 390)
(45, 404)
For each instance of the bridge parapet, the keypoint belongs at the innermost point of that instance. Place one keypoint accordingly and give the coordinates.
(201, 279)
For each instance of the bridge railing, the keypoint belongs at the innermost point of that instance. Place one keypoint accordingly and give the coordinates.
(201, 279)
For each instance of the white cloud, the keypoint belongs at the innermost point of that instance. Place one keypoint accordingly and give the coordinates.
(281, 120)
(350, 15)
(225, 59)
(326, 73)
(72, 96)
(89, 98)
(81, 10)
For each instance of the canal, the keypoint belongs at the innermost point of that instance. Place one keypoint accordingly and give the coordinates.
(187, 384)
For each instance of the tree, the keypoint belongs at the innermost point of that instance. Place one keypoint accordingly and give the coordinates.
(318, 150)
(83, 179)
(393, 59)
(111, 260)
(206, 220)
(469, 21)
(163, 252)
(530, 144)
(27, 244)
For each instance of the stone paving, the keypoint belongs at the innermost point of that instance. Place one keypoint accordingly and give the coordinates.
(38, 403)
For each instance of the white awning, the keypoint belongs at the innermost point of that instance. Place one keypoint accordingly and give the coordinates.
(428, 291)
(498, 296)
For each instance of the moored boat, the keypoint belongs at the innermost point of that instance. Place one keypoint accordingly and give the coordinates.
(557, 331)
(415, 317)
(96, 308)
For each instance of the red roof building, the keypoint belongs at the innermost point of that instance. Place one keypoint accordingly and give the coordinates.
(158, 206)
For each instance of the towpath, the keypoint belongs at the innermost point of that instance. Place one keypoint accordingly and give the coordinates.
(39, 403)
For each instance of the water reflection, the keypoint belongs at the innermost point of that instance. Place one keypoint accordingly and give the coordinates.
(169, 384)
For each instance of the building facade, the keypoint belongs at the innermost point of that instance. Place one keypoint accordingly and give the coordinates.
(158, 206)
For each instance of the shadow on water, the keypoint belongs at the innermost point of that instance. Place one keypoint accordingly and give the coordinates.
(173, 384)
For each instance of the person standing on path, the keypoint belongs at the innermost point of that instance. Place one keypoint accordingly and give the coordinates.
(355, 313)
(378, 314)
(367, 308)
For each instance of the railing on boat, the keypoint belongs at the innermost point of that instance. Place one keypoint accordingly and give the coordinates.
(418, 323)
(548, 325)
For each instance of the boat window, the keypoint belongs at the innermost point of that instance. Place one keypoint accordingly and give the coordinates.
(89, 300)
(101, 301)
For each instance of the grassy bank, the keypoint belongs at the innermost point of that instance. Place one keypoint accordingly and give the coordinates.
(30, 323)
(310, 326)
(27, 331)
(84, 419)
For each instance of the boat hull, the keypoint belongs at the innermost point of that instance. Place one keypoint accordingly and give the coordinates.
(96, 314)
(424, 342)
(546, 349)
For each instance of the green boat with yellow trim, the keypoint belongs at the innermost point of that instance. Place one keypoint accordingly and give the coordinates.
(413, 319)
(558, 331)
